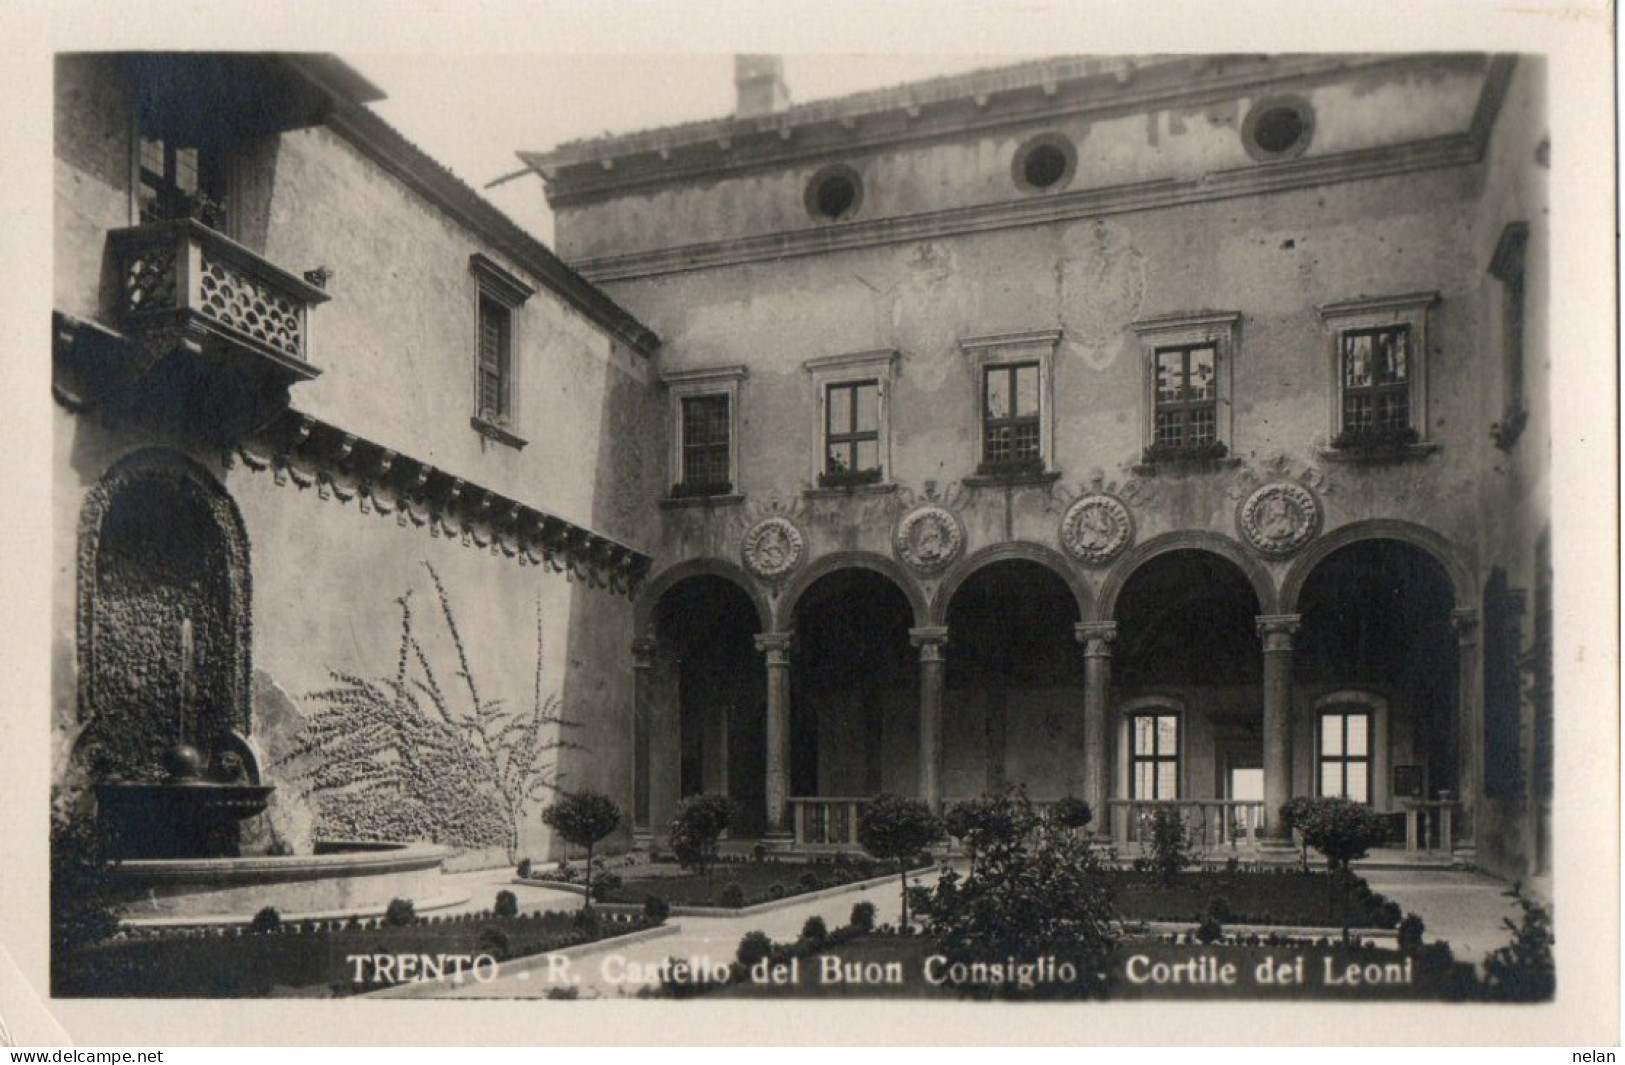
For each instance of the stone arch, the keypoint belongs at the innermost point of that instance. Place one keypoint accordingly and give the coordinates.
(1047, 557)
(1434, 545)
(650, 593)
(886, 567)
(162, 546)
(1212, 543)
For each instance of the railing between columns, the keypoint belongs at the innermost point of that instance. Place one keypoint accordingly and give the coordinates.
(826, 822)
(1209, 823)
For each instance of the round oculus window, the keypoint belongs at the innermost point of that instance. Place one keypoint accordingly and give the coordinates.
(1278, 128)
(834, 193)
(1045, 162)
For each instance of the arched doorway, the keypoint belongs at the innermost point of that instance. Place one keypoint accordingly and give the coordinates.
(704, 628)
(854, 688)
(1188, 675)
(1013, 704)
(1376, 667)
(164, 626)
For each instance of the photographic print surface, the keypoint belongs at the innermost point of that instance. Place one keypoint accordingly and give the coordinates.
(1061, 530)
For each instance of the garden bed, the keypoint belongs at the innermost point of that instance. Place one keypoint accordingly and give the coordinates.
(1286, 897)
(318, 960)
(757, 881)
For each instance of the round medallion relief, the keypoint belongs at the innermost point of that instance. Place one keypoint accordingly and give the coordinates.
(773, 547)
(1279, 519)
(928, 538)
(1096, 529)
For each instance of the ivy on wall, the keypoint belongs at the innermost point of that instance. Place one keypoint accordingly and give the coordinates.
(404, 758)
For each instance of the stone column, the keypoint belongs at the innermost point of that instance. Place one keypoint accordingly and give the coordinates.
(1097, 637)
(776, 646)
(656, 710)
(1277, 631)
(1469, 734)
(930, 641)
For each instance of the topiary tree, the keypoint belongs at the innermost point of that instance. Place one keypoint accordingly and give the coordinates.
(894, 828)
(1071, 813)
(977, 823)
(1170, 846)
(583, 818)
(701, 821)
(1293, 813)
(1343, 831)
(1033, 894)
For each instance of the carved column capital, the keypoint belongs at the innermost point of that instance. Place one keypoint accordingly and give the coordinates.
(930, 640)
(776, 646)
(1278, 630)
(1464, 619)
(644, 649)
(1096, 637)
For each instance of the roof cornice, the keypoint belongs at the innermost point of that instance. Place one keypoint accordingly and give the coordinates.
(592, 171)
(414, 167)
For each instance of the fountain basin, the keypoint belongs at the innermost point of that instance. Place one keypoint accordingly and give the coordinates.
(185, 819)
(342, 878)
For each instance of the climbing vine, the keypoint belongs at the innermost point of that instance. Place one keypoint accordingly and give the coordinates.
(399, 757)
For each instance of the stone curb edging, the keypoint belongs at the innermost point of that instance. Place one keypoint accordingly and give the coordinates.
(1294, 931)
(769, 906)
(438, 902)
(528, 963)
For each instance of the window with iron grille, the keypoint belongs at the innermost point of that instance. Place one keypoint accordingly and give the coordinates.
(1345, 754)
(1154, 756)
(852, 427)
(1187, 397)
(1010, 414)
(706, 444)
(1376, 366)
(496, 359)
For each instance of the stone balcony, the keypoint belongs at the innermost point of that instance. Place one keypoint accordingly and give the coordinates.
(219, 334)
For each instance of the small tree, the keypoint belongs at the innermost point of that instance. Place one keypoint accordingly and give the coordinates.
(1343, 831)
(1170, 849)
(980, 823)
(892, 827)
(1071, 813)
(583, 818)
(1523, 970)
(701, 821)
(1294, 812)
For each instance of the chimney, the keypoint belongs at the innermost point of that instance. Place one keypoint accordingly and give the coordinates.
(759, 84)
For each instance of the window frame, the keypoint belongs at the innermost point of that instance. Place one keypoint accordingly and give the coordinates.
(1343, 712)
(1353, 317)
(1155, 759)
(502, 292)
(1187, 332)
(1011, 351)
(1128, 715)
(1379, 759)
(847, 370)
(701, 383)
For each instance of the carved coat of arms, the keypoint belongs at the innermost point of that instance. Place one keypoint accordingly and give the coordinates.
(1096, 529)
(928, 539)
(1279, 519)
(772, 548)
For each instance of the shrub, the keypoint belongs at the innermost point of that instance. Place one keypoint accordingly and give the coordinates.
(524, 868)
(815, 931)
(979, 823)
(1218, 907)
(400, 912)
(1410, 932)
(1294, 812)
(733, 895)
(775, 891)
(583, 818)
(808, 880)
(1210, 930)
(892, 827)
(507, 904)
(1389, 914)
(656, 909)
(1034, 894)
(753, 947)
(1071, 813)
(700, 822)
(266, 921)
(1170, 849)
(1523, 970)
(494, 941)
(82, 902)
(863, 916)
(603, 883)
